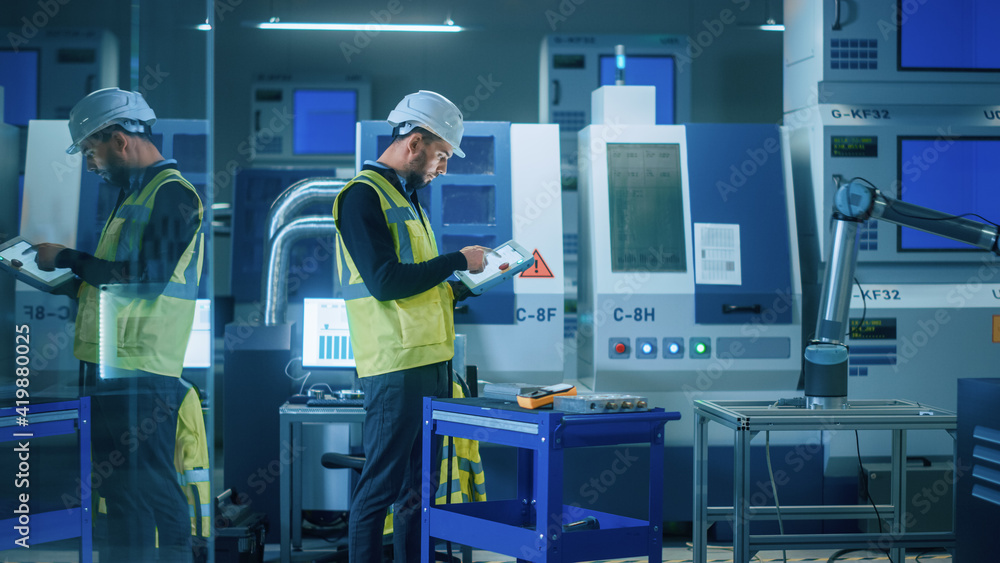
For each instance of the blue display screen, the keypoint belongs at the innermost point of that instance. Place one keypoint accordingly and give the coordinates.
(19, 79)
(949, 35)
(646, 70)
(952, 175)
(325, 122)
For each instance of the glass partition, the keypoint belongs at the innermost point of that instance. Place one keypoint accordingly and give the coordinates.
(114, 367)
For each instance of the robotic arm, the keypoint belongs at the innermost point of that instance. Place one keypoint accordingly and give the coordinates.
(855, 202)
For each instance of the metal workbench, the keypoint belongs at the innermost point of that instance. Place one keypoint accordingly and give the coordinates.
(749, 418)
(291, 417)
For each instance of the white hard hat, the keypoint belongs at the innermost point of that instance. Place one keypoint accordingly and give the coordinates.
(433, 112)
(108, 107)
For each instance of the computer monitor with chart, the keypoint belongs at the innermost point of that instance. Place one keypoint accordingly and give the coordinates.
(326, 340)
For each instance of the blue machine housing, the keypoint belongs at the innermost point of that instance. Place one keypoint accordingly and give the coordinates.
(470, 205)
(733, 170)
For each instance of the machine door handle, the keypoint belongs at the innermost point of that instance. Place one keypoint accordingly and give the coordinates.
(729, 309)
(556, 93)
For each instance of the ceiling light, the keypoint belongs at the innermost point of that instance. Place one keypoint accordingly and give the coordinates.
(371, 26)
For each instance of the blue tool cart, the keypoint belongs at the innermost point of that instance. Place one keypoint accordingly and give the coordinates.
(22, 428)
(532, 527)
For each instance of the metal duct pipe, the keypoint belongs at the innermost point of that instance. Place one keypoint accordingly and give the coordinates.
(286, 206)
(297, 196)
(276, 268)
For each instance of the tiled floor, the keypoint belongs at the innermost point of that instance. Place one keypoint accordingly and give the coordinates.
(318, 550)
(675, 551)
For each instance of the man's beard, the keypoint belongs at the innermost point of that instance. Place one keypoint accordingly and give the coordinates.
(415, 173)
(115, 173)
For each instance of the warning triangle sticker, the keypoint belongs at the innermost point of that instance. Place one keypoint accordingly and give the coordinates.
(539, 269)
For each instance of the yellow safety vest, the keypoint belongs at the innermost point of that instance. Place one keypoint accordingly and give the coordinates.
(468, 481)
(191, 461)
(404, 333)
(125, 331)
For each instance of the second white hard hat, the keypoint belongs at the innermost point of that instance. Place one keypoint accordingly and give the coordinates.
(106, 107)
(433, 112)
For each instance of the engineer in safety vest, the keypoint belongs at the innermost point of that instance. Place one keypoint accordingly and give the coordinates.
(400, 311)
(137, 296)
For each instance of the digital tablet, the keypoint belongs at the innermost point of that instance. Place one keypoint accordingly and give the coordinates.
(502, 263)
(18, 259)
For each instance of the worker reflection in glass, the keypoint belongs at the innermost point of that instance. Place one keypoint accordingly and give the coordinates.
(400, 312)
(137, 296)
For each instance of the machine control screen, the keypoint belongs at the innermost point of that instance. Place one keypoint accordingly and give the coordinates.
(950, 36)
(468, 204)
(324, 121)
(646, 203)
(854, 146)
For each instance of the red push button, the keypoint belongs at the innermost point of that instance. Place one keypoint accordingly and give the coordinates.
(620, 348)
(504, 266)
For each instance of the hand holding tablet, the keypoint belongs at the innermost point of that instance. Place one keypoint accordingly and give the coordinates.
(17, 259)
(502, 263)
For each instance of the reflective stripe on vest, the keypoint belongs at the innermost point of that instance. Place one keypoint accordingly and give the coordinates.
(409, 332)
(131, 333)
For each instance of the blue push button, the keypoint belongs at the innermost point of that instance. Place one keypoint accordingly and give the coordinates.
(645, 348)
(673, 348)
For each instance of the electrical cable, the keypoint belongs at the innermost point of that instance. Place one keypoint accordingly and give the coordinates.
(837, 554)
(928, 551)
(864, 483)
(774, 489)
(304, 377)
(864, 308)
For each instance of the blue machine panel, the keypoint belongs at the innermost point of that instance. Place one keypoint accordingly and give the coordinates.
(19, 79)
(735, 174)
(254, 191)
(646, 70)
(470, 205)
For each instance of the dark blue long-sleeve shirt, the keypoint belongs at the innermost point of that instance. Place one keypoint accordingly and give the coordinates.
(368, 240)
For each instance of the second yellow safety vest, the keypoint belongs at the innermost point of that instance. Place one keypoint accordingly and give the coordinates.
(119, 329)
(404, 333)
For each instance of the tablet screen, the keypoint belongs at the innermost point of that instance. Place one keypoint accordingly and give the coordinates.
(28, 266)
(504, 254)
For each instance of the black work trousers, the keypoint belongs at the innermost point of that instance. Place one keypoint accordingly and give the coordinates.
(133, 435)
